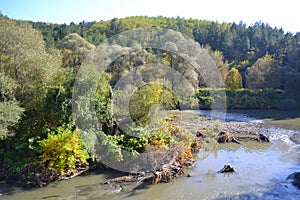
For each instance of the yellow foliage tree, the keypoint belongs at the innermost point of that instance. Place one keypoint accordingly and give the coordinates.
(233, 79)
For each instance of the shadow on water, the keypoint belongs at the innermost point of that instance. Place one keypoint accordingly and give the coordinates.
(269, 114)
(10, 189)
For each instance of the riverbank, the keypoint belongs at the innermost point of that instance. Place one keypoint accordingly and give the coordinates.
(191, 121)
(257, 164)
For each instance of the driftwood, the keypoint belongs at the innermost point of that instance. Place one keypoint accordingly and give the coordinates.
(122, 179)
(224, 137)
(166, 174)
(175, 167)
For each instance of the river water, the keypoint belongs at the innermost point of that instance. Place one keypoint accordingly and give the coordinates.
(261, 171)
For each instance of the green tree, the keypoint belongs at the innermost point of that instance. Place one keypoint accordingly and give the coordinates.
(33, 67)
(25, 59)
(293, 58)
(143, 103)
(10, 111)
(103, 103)
(115, 27)
(58, 107)
(74, 50)
(227, 43)
(233, 79)
(292, 87)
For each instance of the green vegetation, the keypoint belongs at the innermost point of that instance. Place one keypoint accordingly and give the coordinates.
(266, 57)
(40, 63)
(10, 111)
(244, 98)
(142, 103)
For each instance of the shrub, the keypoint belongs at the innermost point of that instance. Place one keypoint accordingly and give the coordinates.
(242, 98)
(63, 150)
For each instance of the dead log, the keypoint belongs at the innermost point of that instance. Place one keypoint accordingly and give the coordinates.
(144, 181)
(224, 137)
(122, 179)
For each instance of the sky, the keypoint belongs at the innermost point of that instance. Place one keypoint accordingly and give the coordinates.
(281, 14)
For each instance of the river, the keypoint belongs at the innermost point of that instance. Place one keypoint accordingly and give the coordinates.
(261, 171)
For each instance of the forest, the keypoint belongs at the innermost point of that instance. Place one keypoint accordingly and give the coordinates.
(255, 51)
(40, 64)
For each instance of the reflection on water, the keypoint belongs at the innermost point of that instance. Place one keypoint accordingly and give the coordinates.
(261, 170)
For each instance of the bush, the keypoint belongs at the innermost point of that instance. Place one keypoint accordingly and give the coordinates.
(63, 150)
(243, 98)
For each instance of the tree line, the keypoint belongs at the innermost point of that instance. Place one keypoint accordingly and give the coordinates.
(265, 57)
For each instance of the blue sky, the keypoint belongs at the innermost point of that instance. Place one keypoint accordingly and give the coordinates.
(284, 14)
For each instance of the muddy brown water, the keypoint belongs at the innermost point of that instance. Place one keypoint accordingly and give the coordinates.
(261, 171)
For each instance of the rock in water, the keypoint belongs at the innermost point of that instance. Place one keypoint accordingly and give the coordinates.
(226, 169)
(296, 138)
(263, 138)
(295, 178)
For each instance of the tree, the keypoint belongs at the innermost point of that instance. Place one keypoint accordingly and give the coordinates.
(74, 50)
(218, 58)
(103, 103)
(233, 79)
(292, 57)
(116, 27)
(292, 87)
(291, 72)
(227, 43)
(25, 59)
(143, 103)
(263, 74)
(10, 111)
